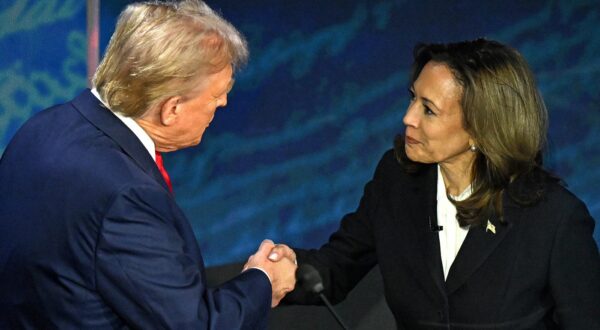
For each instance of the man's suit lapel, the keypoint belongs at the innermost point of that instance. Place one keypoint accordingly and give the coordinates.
(423, 220)
(93, 110)
(479, 244)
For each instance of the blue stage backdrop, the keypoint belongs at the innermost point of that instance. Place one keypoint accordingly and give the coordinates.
(319, 102)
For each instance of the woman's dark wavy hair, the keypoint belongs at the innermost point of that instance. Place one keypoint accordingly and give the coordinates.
(504, 114)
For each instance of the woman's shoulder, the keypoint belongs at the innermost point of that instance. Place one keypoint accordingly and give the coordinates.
(547, 192)
(389, 160)
(558, 193)
(392, 168)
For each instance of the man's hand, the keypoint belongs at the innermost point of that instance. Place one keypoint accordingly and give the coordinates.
(279, 262)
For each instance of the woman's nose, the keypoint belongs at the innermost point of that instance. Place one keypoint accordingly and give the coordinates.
(410, 117)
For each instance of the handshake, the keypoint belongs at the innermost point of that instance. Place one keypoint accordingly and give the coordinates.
(278, 261)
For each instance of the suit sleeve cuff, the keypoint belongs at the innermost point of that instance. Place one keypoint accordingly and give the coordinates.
(262, 270)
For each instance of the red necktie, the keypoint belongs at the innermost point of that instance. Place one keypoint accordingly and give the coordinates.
(163, 171)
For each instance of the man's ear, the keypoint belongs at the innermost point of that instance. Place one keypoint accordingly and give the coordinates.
(170, 111)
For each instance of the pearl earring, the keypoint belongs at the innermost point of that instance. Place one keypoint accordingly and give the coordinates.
(473, 148)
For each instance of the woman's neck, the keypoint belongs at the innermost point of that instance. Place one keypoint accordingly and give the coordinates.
(457, 176)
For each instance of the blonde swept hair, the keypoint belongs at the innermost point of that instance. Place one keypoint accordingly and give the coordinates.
(162, 49)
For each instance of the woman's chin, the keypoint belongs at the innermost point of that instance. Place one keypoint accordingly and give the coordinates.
(410, 153)
(415, 156)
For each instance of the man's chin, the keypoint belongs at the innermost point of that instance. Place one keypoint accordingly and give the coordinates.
(187, 145)
(195, 143)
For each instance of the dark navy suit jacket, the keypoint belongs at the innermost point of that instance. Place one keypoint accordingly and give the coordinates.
(90, 236)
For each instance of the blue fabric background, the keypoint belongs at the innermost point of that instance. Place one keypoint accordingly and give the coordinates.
(319, 102)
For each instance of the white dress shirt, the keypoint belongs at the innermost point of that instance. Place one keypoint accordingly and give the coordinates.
(133, 126)
(452, 235)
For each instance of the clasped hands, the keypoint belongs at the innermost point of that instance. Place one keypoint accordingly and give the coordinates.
(279, 262)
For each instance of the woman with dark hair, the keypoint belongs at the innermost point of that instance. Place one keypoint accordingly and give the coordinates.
(467, 227)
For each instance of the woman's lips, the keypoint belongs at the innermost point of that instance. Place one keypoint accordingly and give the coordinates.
(410, 140)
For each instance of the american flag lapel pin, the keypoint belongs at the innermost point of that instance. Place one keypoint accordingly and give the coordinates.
(490, 227)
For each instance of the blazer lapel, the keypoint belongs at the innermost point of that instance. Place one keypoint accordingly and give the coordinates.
(102, 118)
(477, 247)
(424, 221)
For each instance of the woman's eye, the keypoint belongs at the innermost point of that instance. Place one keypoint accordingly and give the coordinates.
(411, 94)
(428, 111)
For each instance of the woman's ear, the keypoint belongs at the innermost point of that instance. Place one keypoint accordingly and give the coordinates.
(472, 141)
(170, 111)
(473, 145)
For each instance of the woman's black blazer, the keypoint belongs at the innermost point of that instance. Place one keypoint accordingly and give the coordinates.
(539, 270)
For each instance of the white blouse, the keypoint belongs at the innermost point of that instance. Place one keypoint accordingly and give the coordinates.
(452, 235)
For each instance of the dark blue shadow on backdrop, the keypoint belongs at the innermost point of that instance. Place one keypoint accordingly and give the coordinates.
(319, 102)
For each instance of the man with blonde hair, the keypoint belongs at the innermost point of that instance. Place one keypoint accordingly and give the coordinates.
(90, 233)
